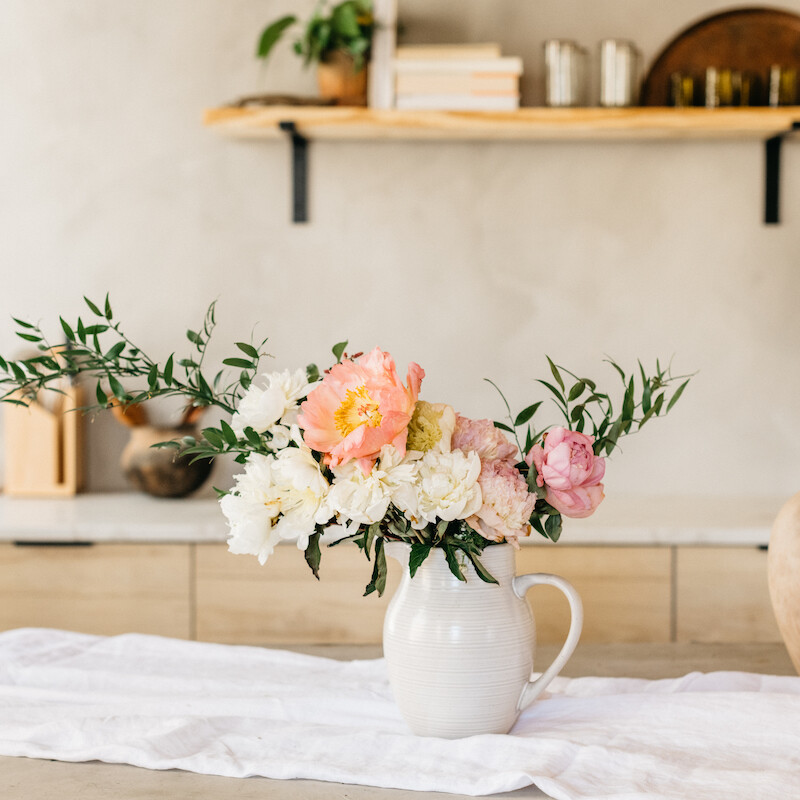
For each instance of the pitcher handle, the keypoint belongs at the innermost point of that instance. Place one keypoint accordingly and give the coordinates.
(521, 584)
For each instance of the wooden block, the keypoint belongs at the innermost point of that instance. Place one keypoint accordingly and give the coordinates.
(43, 448)
(102, 588)
(625, 592)
(723, 596)
(239, 601)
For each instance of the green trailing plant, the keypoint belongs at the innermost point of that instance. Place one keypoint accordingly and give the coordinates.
(345, 27)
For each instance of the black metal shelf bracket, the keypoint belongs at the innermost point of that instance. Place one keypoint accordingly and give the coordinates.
(299, 171)
(772, 184)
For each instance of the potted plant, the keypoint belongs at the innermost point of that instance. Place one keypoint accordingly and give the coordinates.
(338, 39)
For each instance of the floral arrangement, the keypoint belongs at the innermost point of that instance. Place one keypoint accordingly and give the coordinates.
(353, 453)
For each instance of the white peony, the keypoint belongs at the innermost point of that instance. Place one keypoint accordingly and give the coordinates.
(365, 498)
(271, 409)
(447, 487)
(276, 498)
(251, 510)
(303, 491)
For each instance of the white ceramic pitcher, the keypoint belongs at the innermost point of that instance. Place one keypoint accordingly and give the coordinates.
(460, 655)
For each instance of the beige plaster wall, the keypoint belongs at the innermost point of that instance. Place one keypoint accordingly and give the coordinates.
(473, 259)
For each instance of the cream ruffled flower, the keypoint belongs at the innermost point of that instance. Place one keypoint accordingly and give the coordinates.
(431, 427)
(251, 509)
(364, 498)
(274, 408)
(277, 498)
(447, 487)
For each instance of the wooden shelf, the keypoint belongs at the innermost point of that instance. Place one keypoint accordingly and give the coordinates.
(542, 124)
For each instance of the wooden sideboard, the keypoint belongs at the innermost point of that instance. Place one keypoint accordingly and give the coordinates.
(201, 591)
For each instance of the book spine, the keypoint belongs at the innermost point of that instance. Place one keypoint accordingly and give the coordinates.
(507, 64)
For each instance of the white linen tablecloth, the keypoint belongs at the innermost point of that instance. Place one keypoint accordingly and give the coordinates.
(241, 711)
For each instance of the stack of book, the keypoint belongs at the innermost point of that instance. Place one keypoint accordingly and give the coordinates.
(456, 77)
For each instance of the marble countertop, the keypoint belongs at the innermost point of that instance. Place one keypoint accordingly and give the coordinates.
(134, 517)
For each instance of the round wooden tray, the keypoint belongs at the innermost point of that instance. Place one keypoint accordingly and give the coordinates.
(747, 39)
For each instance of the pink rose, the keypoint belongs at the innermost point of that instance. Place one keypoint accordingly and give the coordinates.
(507, 503)
(570, 470)
(482, 437)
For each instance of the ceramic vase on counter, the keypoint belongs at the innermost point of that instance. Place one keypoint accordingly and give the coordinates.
(784, 575)
(460, 655)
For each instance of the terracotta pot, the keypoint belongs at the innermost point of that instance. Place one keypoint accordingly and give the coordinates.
(338, 80)
(460, 655)
(783, 565)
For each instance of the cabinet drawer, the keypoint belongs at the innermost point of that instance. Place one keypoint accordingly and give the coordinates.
(625, 592)
(239, 601)
(723, 596)
(103, 588)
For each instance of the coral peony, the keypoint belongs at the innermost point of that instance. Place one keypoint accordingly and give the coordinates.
(507, 503)
(570, 471)
(482, 437)
(359, 407)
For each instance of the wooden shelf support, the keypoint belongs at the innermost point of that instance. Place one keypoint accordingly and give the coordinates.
(772, 175)
(299, 145)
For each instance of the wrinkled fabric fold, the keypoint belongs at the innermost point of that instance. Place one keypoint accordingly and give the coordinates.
(245, 711)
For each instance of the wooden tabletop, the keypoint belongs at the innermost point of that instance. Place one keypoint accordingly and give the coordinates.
(36, 779)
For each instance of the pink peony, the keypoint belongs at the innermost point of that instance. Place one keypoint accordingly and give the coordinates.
(359, 407)
(481, 436)
(570, 470)
(507, 503)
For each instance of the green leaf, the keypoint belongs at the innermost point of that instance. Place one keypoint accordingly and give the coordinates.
(114, 351)
(167, 374)
(628, 402)
(247, 349)
(108, 314)
(230, 437)
(576, 391)
(344, 21)
(93, 330)
(552, 527)
(338, 351)
(17, 370)
(419, 552)
(252, 437)
(117, 389)
(555, 391)
(503, 427)
(272, 34)
(29, 337)
(152, 377)
(93, 307)
(577, 413)
(214, 437)
(556, 373)
(81, 331)
(241, 363)
(481, 571)
(312, 373)
(313, 554)
(23, 324)
(102, 397)
(677, 395)
(378, 582)
(452, 562)
(526, 414)
(67, 330)
(195, 338)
